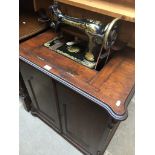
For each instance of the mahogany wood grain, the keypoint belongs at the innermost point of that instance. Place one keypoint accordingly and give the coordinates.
(114, 82)
(29, 25)
(41, 4)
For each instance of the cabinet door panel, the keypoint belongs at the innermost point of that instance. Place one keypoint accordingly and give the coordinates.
(83, 121)
(42, 92)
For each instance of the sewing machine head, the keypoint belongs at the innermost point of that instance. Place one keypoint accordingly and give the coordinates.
(100, 36)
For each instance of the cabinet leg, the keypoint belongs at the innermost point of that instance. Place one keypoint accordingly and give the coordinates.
(24, 94)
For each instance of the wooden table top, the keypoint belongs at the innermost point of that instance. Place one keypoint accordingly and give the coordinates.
(112, 87)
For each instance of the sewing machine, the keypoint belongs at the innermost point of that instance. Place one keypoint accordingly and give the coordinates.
(85, 106)
(100, 36)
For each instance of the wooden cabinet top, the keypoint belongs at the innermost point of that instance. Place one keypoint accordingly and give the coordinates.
(112, 87)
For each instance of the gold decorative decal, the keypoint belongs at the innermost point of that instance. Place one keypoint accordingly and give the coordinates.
(73, 49)
(89, 56)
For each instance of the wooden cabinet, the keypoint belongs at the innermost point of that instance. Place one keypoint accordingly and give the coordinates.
(83, 105)
(41, 89)
(79, 103)
(84, 122)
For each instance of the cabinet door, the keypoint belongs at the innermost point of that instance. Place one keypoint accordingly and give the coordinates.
(84, 122)
(41, 89)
